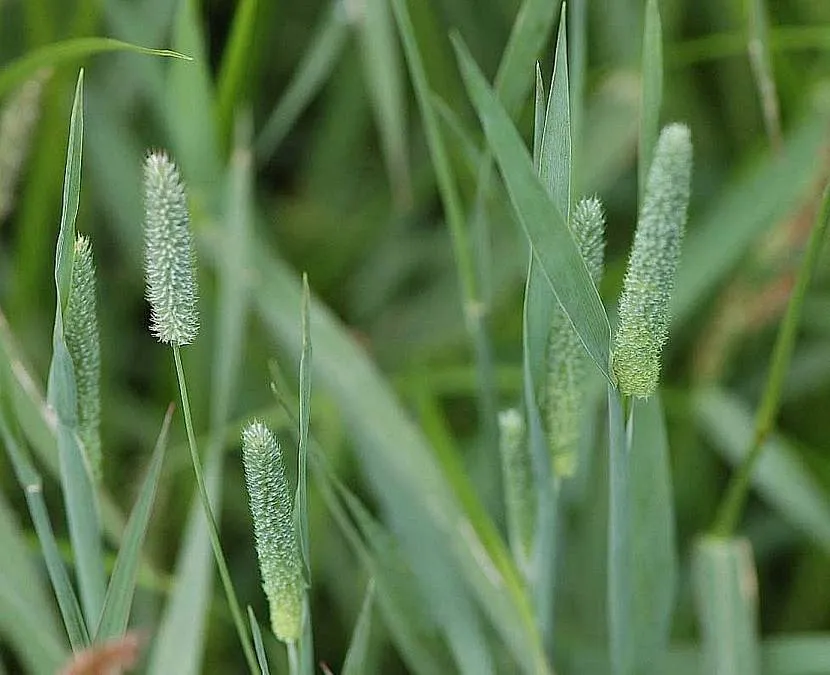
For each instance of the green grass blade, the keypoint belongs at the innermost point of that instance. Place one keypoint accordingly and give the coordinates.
(652, 92)
(17, 72)
(539, 113)
(119, 598)
(301, 498)
(76, 481)
(555, 153)
(780, 477)
(710, 251)
(382, 68)
(553, 246)
(316, 67)
(32, 486)
(577, 68)
(726, 588)
(27, 619)
(651, 533)
(262, 659)
(357, 654)
(620, 562)
(233, 73)
(531, 30)
(761, 62)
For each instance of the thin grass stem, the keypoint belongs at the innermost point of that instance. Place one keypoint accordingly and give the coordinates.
(213, 530)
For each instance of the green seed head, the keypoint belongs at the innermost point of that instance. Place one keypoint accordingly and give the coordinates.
(518, 481)
(276, 539)
(644, 305)
(169, 258)
(567, 363)
(81, 334)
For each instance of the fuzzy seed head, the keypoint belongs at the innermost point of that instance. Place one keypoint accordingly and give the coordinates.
(649, 281)
(170, 261)
(567, 363)
(517, 475)
(82, 341)
(274, 533)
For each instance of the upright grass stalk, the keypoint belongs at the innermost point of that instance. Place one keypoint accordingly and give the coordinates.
(733, 503)
(172, 292)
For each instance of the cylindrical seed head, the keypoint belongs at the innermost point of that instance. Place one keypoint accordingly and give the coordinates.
(276, 539)
(567, 362)
(517, 477)
(169, 258)
(649, 281)
(82, 341)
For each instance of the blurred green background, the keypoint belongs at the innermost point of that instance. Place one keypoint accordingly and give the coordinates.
(344, 190)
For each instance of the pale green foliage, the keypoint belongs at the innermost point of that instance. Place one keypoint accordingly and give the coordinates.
(649, 281)
(518, 481)
(169, 258)
(276, 538)
(82, 341)
(567, 362)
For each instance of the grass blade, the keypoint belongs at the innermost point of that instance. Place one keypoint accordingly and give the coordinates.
(553, 246)
(577, 67)
(262, 659)
(119, 598)
(76, 481)
(652, 92)
(357, 654)
(32, 486)
(761, 62)
(301, 498)
(315, 68)
(17, 72)
(727, 596)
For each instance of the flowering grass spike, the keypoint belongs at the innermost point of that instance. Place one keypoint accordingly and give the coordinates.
(517, 475)
(649, 281)
(169, 258)
(276, 539)
(82, 341)
(567, 362)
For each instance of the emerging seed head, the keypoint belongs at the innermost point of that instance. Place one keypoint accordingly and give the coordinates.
(517, 475)
(276, 540)
(82, 341)
(567, 362)
(169, 258)
(649, 281)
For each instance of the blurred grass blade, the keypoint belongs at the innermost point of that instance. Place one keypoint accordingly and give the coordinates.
(531, 30)
(652, 92)
(552, 244)
(780, 477)
(32, 486)
(301, 497)
(621, 629)
(651, 532)
(316, 66)
(356, 656)
(17, 72)
(726, 588)
(761, 62)
(76, 481)
(758, 200)
(258, 645)
(382, 67)
(27, 620)
(539, 114)
(234, 71)
(577, 68)
(119, 598)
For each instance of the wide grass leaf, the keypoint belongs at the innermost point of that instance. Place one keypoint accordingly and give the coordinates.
(726, 589)
(119, 598)
(356, 656)
(551, 240)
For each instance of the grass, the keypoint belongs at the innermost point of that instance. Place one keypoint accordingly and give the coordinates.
(382, 215)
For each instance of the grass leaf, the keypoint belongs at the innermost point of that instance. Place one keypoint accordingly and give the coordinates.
(119, 598)
(262, 659)
(357, 654)
(651, 96)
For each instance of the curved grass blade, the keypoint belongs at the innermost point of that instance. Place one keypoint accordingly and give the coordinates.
(315, 68)
(301, 498)
(76, 480)
(652, 92)
(17, 72)
(119, 598)
(727, 596)
(32, 486)
(356, 656)
(262, 659)
(550, 238)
